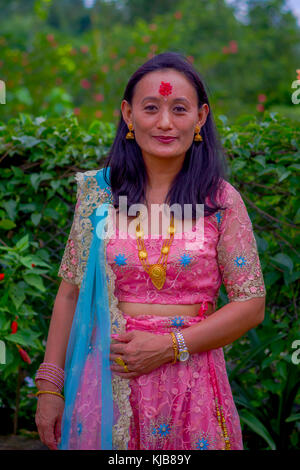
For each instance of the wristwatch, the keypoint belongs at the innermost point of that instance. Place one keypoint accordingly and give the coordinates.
(183, 353)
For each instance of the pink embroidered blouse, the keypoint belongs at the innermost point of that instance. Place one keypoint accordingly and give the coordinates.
(228, 254)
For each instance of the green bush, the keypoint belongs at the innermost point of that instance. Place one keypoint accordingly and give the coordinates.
(39, 157)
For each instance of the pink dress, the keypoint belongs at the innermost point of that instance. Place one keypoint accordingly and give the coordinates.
(188, 405)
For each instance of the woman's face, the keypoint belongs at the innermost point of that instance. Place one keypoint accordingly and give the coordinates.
(153, 114)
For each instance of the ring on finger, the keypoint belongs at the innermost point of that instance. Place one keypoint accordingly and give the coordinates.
(121, 362)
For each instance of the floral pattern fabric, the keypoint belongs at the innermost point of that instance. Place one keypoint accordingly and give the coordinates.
(228, 254)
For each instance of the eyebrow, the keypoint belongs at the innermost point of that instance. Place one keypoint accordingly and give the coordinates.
(157, 99)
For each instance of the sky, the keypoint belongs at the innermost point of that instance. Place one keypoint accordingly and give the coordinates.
(293, 5)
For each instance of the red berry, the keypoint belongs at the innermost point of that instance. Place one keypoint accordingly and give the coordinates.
(14, 327)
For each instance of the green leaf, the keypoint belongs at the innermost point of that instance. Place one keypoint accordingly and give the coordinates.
(11, 208)
(7, 224)
(284, 261)
(257, 426)
(35, 281)
(33, 259)
(291, 418)
(27, 140)
(22, 244)
(23, 337)
(17, 295)
(223, 119)
(254, 352)
(261, 159)
(36, 218)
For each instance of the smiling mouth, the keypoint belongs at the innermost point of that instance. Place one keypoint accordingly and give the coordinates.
(165, 139)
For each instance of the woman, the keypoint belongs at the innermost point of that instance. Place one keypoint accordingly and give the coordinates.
(160, 381)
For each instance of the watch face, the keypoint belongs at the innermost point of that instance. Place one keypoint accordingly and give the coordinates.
(184, 355)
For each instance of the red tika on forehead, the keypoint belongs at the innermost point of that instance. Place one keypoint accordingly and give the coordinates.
(165, 88)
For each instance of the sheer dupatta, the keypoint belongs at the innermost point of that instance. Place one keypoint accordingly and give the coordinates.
(97, 408)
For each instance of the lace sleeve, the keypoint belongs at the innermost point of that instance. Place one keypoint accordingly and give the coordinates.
(237, 250)
(68, 269)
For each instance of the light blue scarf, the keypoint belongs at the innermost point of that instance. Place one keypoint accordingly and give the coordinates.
(96, 314)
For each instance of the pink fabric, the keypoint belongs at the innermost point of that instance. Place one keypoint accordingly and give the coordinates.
(173, 406)
(229, 254)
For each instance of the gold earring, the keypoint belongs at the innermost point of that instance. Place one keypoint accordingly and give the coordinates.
(198, 137)
(130, 134)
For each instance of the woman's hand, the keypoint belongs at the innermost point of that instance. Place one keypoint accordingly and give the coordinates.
(48, 419)
(141, 351)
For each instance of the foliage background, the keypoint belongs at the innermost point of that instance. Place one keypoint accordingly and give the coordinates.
(65, 67)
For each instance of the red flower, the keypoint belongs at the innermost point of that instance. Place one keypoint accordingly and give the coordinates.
(50, 37)
(165, 88)
(98, 97)
(178, 15)
(24, 355)
(33, 265)
(233, 46)
(84, 49)
(98, 114)
(260, 107)
(2, 276)
(76, 111)
(14, 327)
(85, 83)
(132, 50)
(262, 98)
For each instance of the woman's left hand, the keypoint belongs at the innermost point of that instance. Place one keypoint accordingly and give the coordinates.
(141, 351)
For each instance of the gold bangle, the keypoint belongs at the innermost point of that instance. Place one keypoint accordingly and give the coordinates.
(50, 392)
(175, 347)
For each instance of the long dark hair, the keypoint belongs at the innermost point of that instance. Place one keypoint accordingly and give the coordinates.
(204, 165)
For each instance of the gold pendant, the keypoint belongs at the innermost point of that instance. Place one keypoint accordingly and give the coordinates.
(157, 275)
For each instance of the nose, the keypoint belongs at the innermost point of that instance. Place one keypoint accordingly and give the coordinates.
(164, 119)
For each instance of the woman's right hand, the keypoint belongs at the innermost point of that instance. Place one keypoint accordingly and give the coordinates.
(48, 419)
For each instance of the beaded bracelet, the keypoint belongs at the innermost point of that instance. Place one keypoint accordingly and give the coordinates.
(50, 392)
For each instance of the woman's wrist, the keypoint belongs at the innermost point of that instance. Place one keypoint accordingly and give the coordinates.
(43, 384)
(167, 348)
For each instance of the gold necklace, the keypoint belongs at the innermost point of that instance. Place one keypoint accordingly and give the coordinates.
(157, 271)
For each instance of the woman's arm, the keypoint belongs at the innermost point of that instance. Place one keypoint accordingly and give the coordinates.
(60, 327)
(144, 352)
(223, 326)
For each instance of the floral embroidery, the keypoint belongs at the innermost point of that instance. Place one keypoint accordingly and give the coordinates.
(164, 429)
(202, 444)
(177, 321)
(240, 261)
(219, 216)
(89, 196)
(120, 260)
(185, 259)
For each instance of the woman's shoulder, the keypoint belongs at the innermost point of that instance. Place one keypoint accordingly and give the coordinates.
(228, 194)
(87, 176)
